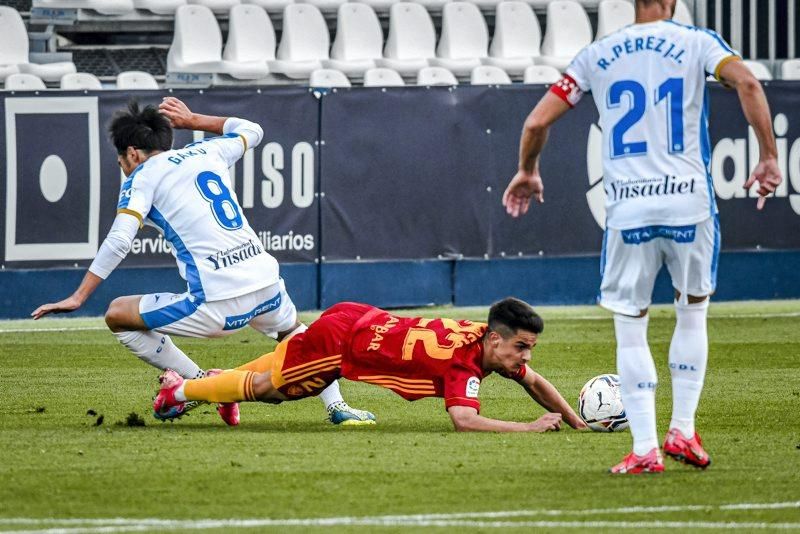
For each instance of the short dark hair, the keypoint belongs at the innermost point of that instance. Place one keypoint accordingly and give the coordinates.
(509, 315)
(144, 129)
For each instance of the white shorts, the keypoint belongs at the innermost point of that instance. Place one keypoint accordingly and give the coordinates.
(631, 260)
(268, 310)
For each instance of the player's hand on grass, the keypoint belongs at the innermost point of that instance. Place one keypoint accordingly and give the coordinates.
(768, 175)
(517, 197)
(178, 113)
(67, 305)
(546, 423)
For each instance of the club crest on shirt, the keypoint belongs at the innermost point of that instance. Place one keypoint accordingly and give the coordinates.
(473, 384)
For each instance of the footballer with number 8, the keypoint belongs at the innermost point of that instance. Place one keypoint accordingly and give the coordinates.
(648, 82)
(414, 357)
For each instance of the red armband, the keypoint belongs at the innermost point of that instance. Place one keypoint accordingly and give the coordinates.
(567, 90)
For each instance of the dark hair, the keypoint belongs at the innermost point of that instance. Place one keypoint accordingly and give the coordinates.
(144, 129)
(510, 315)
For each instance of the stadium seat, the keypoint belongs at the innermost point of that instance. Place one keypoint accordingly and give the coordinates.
(486, 6)
(304, 42)
(251, 37)
(273, 6)
(219, 7)
(568, 31)
(104, 7)
(411, 41)
(433, 6)
(358, 42)
(759, 70)
(489, 75)
(134, 79)
(790, 70)
(382, 77)
(541, 74)
(327, 6)
(159, 7)
(464, 40)
(380, 6)
(436, 76)
(516, 40)
(14, 50)
(682, 14)
(78, 81)
(24, 82)
(328, 78)
(613, 15)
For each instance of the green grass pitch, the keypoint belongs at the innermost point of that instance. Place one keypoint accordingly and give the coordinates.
(284, 467)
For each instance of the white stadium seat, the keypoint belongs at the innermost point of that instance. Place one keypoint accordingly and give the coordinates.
(275, 6)
(516, 40)
(24, 82)
(790, 70)
(134, 79)
(14, 50)
(104, 7)
(359, 40)
(411, 41)
(682, 14)
(328, 6)
(486, 6)
(489, 75)
(383, 77)
(380, 6)
(251, 37)
(613, 15)
(159, 7)
(432, 5)
(568, 31)
(436, 76)
(217, 6)
(541, 74)
(464, 40)
(78, 81)
(304, 42)
(328, 78)
(759, 70)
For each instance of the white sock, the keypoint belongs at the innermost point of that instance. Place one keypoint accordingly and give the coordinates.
(688, 355)
(638, 380)
(331, 395)
(180, 396)
(159, 351)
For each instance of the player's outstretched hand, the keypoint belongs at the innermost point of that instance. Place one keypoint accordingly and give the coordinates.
(517, 197)
(768, 175)
(178, 113)
(67, 305)
(547, 422)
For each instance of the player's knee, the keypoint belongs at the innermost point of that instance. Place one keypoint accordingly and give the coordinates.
(115, 315)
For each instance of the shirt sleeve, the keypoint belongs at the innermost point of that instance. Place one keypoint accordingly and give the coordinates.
(579, 71)
(116, 245)
(461, 387)
(715, 52)
(238, 135)
(136, 195)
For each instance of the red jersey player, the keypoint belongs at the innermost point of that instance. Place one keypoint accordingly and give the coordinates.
(414, 357)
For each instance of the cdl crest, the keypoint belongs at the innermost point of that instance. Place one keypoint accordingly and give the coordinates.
(53, 186)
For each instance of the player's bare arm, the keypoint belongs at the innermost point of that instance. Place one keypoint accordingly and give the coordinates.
(527, 182)
(756, 110)
(467, 419)
(548, 397)
(182, 118)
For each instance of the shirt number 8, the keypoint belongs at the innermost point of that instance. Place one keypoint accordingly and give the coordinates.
(223, 206)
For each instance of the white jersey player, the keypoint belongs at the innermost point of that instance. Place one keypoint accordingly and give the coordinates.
(648, 81)
(188, 195)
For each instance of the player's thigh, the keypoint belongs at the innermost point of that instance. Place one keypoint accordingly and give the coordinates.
(273, 312)
(629, 267)
(692, 265)
(123, 314)
(179, 314)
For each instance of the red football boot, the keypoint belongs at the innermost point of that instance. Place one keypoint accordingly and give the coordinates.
(688, 451)
(165, 407)
(229, 411)
(633, 464)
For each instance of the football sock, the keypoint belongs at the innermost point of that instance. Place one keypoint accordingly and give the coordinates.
(331, 395)
(230, 386)
(159, 351)
(637, 374)
(688, 355)
(262, 364)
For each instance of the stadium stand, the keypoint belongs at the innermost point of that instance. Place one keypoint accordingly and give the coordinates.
(382, 77)
(251, 36)
(489, 75)
(304, 42)
(613, 15)
(541, 74)
(80, 81)
(328, 78)
(464, 40)
(272, 6)
(358, 42)
(24, 82)
(759, 70)
(517, 38)
(411, 42)
(14, 49)
(790, 69)
(136, 80)
(380, 6)
(434, 6)
(682, 14)
(103, 7)
(568, 30)
(327, 6)
(436, 76)
(159, 7)
(217, 6)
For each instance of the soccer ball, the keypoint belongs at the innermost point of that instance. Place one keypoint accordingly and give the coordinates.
(600, 405)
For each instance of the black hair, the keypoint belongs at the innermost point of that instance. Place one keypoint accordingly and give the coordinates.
(144, 129)
(509, 315)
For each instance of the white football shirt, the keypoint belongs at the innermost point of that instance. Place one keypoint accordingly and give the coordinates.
(187, 194)
(649, 84)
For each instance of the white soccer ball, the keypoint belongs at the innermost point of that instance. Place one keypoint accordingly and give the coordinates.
(600, 404)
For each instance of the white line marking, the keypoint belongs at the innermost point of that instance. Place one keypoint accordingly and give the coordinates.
(467, 519)
(62, 329)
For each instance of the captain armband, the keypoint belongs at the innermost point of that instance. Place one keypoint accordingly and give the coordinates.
(567, 90)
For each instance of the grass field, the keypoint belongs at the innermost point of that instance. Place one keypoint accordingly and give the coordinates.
(285, 468)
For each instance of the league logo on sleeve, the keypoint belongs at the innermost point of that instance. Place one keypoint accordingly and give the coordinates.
(473, 384)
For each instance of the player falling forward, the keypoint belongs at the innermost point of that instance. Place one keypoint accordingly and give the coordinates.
(648, 82)
(414, 357)
(187, 195)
